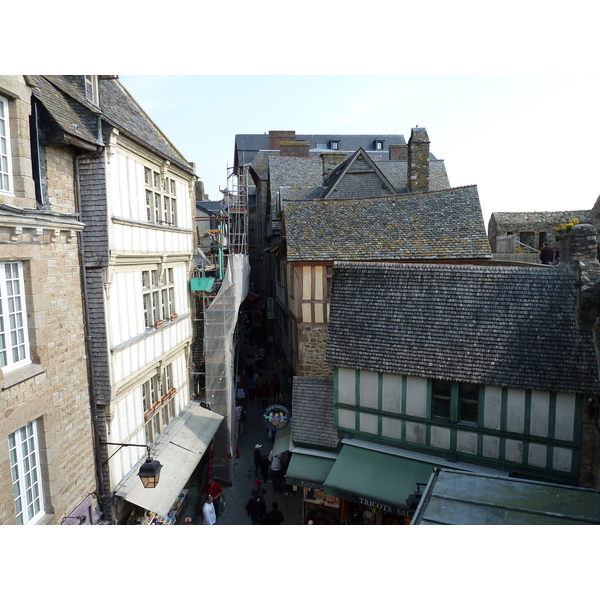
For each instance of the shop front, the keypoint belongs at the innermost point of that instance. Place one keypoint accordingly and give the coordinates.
(179, 451)
(308, 472)
(376, 488)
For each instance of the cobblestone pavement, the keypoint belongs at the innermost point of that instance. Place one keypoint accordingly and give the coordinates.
(236, 497)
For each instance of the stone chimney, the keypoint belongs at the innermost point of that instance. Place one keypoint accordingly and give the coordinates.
(276, 137)
(331, 161)
(398, 152)
(418, 160)
(295, 149)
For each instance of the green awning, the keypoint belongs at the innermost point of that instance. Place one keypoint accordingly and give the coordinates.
(201, 284)
(282, 441)
(306, 470)
(371, 477)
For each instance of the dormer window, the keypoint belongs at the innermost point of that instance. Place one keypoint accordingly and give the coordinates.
(378, 144)
(335, 144)
(91, 88)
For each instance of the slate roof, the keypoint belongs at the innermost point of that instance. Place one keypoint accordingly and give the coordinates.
(64, 98)
(397, 174)
(432, 226)
(503, 326)
(312, 412)
(247, 145)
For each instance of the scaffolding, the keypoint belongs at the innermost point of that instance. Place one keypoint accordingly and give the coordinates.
(217, 310)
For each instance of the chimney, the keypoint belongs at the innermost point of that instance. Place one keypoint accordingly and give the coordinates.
(295, 149)
(398, 152)
(276, 137)
(331, 161)
(418, 160)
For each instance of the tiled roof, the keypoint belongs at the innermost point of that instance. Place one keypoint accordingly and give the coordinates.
(64, 97)
(397, 174)
(312, 412)
(433, 226)
(502, 326)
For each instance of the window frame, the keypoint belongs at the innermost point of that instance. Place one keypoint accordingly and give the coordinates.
(161, 197)
(21, 470)
(91, 89)
(457, 402)
(158, 298)
(6, 165)
(11, 315)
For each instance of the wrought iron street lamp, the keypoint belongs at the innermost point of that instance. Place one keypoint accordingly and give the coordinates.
(149, 472)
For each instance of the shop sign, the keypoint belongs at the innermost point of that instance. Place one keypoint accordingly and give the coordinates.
(276, 417)
(394, 510)
(270, 308)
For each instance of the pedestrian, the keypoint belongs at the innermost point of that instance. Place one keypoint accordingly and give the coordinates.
(251, 388)
(275, 516)
(214, 489)
(276, 387)
(257, 460)
(249, 365)
(258, 489)
(276, 472)
(208, 511)
(256, 509)
(264, 391)
(265, 463)
(546, 254)
(240, 417)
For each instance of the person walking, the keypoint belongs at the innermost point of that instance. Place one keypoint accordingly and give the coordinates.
(265, 463)
(256, 509)
(214, 489)
(208, 511)
(274, 516)
(258, 489)
(257, 460)
(276, 472)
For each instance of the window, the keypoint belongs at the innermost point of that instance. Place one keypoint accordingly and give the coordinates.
(14, 340)
(335, 145)
(158, 297)
(159, 403)
(455, 402)
(378, 144)
(91, 88)
(468, 402)
(321, 145)
(161, 198)
(26, 476)
(442, 399)
(5, 156)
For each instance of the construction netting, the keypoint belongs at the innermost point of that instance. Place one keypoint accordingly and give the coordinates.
(220, 361)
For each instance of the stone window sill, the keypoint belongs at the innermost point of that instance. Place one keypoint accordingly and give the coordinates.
(15, 377)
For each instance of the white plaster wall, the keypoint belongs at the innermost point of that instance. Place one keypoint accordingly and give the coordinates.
(391, 428)
(368, 389)
(492, 408)
(415, 433)
(540, 413)
(562, 459)
(515, 411)
(391, 400)
(416, 397)
(565, 416)
(466, 441)
(368, 423)
(346, 419)
(491, 446)
(537, 455)
(514, 451)
(346, 386)
(440, 437)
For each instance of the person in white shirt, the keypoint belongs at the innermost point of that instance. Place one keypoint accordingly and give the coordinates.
(208, 511)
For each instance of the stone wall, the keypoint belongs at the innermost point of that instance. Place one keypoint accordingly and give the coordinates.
(312, 343)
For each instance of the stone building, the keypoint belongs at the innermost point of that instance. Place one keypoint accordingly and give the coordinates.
(136, 196)
(47, 448)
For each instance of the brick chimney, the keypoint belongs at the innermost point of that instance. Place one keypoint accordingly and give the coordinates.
(295, 149)
(398, 152)
(276, 137)
(418, 160)
(331, 161)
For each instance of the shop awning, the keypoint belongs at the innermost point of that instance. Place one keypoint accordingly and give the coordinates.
(179, 452)
(367, 475)
(305, 470)
(282, 440)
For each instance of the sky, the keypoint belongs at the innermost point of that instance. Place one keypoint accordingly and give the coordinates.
(529, 142)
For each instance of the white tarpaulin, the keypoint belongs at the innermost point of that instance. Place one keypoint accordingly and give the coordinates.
(179, 452)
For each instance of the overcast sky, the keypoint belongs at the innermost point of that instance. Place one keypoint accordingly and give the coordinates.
(528, 142)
